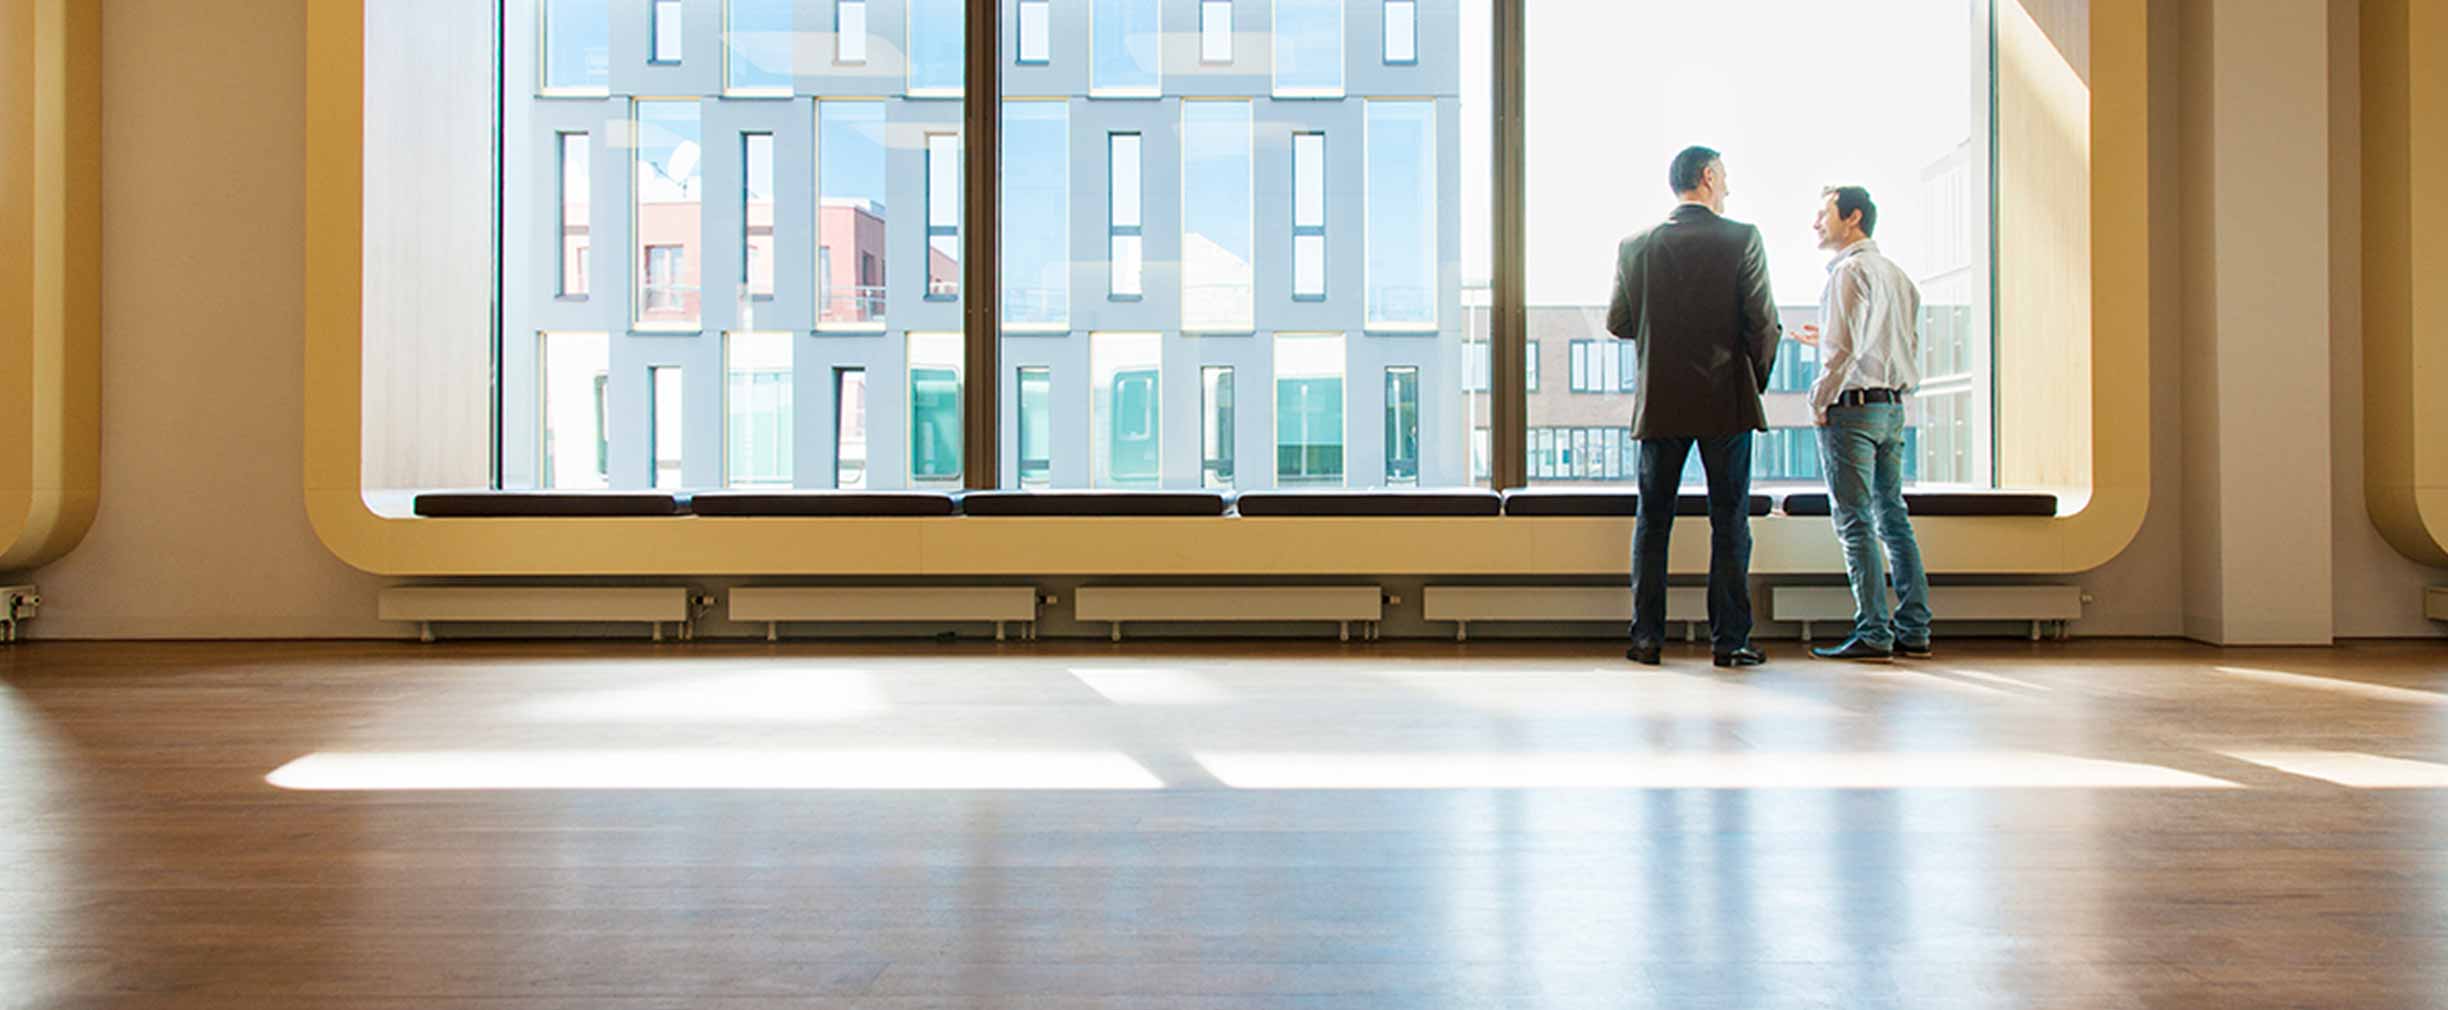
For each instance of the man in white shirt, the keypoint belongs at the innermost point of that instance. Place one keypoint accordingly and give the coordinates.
(1869, 342)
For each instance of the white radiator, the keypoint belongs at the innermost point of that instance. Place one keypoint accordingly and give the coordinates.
(774, 605)
(2435, 603)
(2042, 606)
(430, 605)
(1340, 605)
(1466, 604)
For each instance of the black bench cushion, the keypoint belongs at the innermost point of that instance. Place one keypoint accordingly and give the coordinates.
(844, 504)
(548, 504)
(1092, 503)
(1943, 503)
(1369, 503)
(1549, 502)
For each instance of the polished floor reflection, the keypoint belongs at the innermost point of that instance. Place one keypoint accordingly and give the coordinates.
(1217, 826)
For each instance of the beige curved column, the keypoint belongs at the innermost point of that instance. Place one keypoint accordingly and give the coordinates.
(2405, 262)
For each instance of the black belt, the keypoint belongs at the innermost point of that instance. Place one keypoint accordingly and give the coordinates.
(1859, 397)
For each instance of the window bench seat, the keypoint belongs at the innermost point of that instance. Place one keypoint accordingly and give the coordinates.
(549, 504)
(1372, 504)
(830, 504)
(1545, 503)
(1943, 503)
(1093, 504)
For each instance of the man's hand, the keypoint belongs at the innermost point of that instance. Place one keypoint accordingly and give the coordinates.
(1807, 334)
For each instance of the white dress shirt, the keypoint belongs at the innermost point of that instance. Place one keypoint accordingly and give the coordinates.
(1869, 322)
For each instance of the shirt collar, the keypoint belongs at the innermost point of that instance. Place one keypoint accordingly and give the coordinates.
(1848, 252)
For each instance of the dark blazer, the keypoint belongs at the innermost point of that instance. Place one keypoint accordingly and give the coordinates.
(1693, 293)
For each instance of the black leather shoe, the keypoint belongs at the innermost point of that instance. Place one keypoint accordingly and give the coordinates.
(1745, 656)
(1857, 650)
(1646, 654)
(1912, 650)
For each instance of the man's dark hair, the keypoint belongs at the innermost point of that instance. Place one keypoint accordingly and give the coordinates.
(1690, 167)
(1851, 200)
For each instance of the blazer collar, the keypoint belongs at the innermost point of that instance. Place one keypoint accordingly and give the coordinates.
(1691, 212)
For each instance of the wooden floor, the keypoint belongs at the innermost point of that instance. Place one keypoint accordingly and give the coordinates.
(278, 827)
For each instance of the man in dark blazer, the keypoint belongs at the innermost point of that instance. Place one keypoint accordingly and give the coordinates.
(1692, 293)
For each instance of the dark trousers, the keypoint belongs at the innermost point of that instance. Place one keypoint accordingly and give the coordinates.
(1727, 460)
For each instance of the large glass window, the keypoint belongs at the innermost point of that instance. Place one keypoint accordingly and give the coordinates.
(757, 46)
(1218, 245)
(669, 217)
(935, 361)
(1036, 269)
(1128, 56)
(757, 409)
(1309, 47)
(571, 404)
(935, 41)
(577, 46)
(1402, 215)
(1309, 409)
(850, 227)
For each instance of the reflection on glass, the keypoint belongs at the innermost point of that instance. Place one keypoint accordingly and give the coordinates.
(1215, 31)
(1401, 31)
(757, 44)
(667, 20)
(935, 28)
(663, 428)
(757, 409)
(757, 215)
(670, 204)
(1402, 217)
(935, 362)
(571, 406)
(850, 428)
(1308, 409)
(1402, 425)
(1126, 408)
(1126, 49)
(1309, 215)
(850, 146)
(1216, 427)
(850, 31)
(1036, 215)
(1126, 247)
(1218, 294)
(1036, 27)
(1036, 420)
(577, 46)
(576, 184)
(943, 175)
(1309, 48)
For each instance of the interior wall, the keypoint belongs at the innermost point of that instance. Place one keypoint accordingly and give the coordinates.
(2044, 230)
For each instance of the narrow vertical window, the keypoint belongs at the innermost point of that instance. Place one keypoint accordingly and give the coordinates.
(1127, 240)
(577, 181)
(850, 428)
(1036, 266)
(1215, 31)
(1530, 359)
(1125, 59)
(850, 227)
(1402, 425)
(667, 15)
(850, 31)
(935, 42)
(757, 393)
(1309, 216)
(1402, 32)
(758, 39)
(1036, 423)
(670, 201)
(757, 215)
(1216, 427)
(1126, 408)
(1308, 409)
(1218, 292)
(1309, 48)
(577, 47)
(663, 425)
(1402, 215)
(572, 370)
(935, 408)
(943, 216)
(1036, 32)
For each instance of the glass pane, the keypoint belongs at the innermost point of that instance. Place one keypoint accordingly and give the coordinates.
(1218, 289)
(935, 361)
(1309, 409)
(1216, 427)
(1402, 215)
(1402, 425)
(1129, 266)
(850, 31)
(1036, 421)
(850, 149)
(667, 21)
(850, 428)
(1126, 38)
(935, 40)
(577, 168)
(577, 45)
(757, 383)
(1401, 31)
(758, 43)
(757, 217)
(1309, 47)
(1309, 180)
(1036, 46)
(570, 405)
(1924, 158)
(1309, 266)
(1126, 180)
(670, 213)
(1215, 31)
(1037, 215)
(663, 426)
(943, 215)
(1126, 408)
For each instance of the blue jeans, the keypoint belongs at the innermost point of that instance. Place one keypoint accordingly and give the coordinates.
(1862, 450)
(1727, 460)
